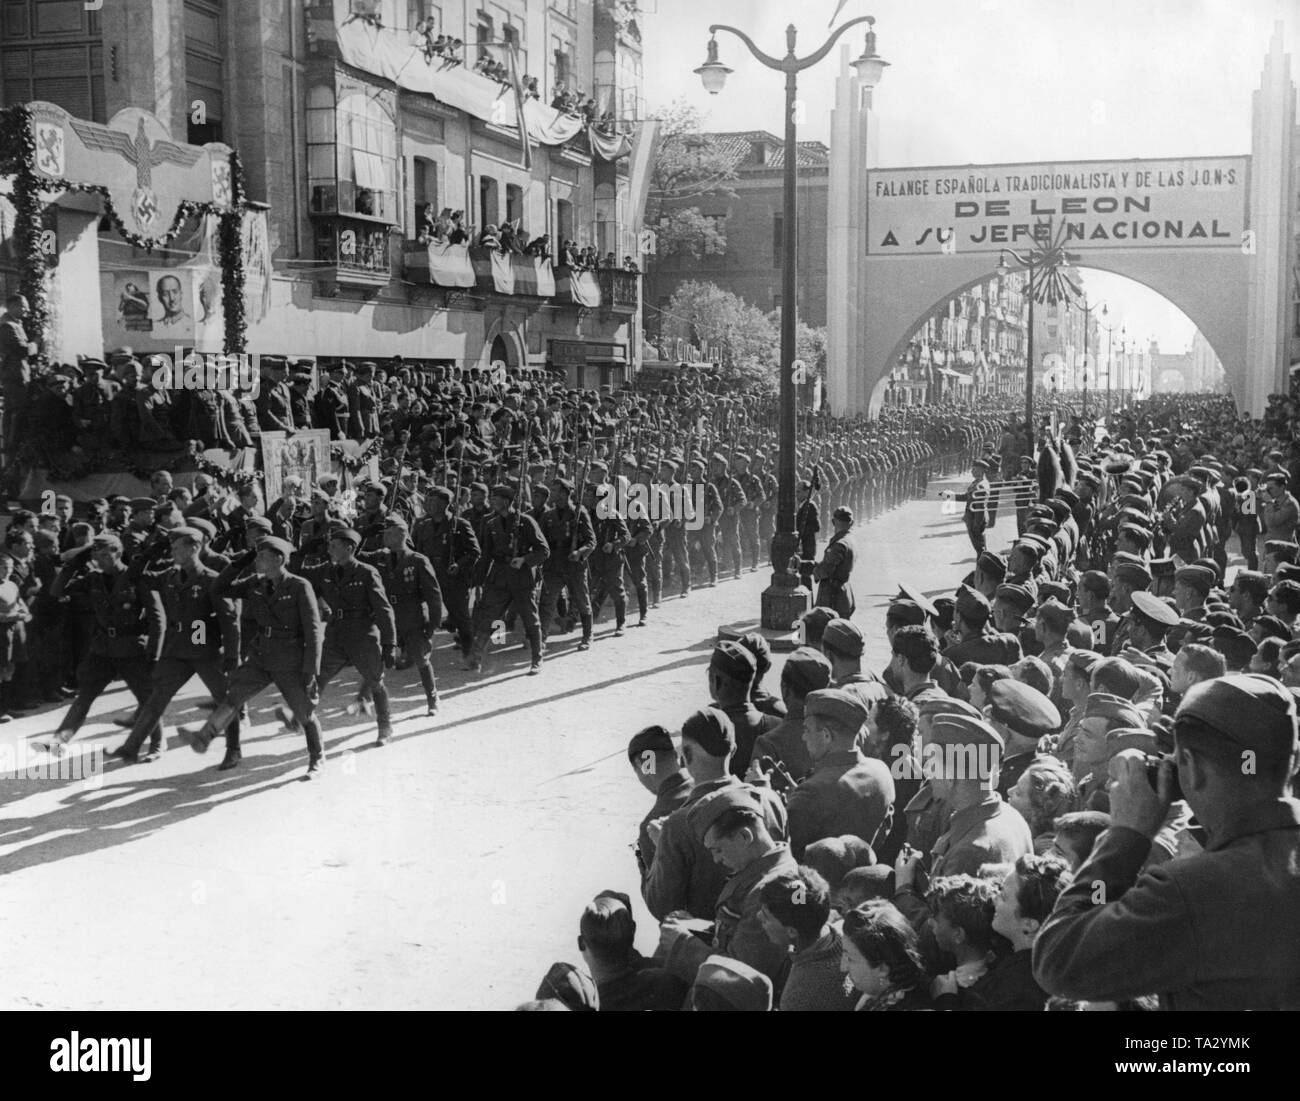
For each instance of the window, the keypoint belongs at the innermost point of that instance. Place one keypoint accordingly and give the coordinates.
(203, 71)
(487, 202)
(65, 61)
(352, 152)
(485, 31)
(417, 10)
(564, 7)
(561, 59)
(424, 190)
(510, 33)
(778, 240)
(563, 221)
(514, 202)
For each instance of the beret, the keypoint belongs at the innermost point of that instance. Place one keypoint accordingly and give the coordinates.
(1095, 582)
(992, 564)
(346, 535)
(654, 738)
(711, 730)
(1154, 609)
(138, 504)
(1133, 574)
(1023, 708)
(806, 670)
(837, 705)
(1104, 705)
(819, 616)
(972, 605)
(107, 541)
(845, 636)
(1031, 544)
(186, 533)
(1017, 596)
(906, 612)
(1083, 661)
(1198, 577)
(280, 546)
(737, 984)
(733, 660)
(1250, 710)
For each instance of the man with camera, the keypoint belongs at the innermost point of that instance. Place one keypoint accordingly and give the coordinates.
(1215, 930)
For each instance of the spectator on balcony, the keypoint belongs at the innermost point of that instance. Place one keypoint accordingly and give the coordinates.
(588, 109)
(630, 265)
(540, 247)
(489, 239)
(430, 225)
(530, 87)
(609, 263)
(568, 255)
(507, 237)
(91, 402)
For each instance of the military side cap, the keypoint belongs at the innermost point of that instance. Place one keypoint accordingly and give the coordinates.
(396, 522)
(1083, 661)
(1055, 614)
(992, 564)
(203, 525)
(1198, 577)
(282, 547)
(806, 670)
(656, 739)
(711, 730)
(739, 986)
(441, 492)
(733, 660)
(1023, 708)
(819, 617)
(186, 532)
(106, 542)
(1105, 705)
(1133, 574)
(261, 523)
(837, 705)
(347, 535)
(139, 504)
(845, 636)
(1017, 596)
(972, 605)
(1252, 711)
(931, 706)
(964, 730)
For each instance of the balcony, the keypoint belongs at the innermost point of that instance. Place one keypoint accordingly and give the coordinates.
(353, 251)
(620, 290)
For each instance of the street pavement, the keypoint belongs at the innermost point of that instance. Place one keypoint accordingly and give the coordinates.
(444, 871)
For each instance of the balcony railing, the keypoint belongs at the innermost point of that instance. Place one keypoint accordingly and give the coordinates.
(356, 249)
(620, 290)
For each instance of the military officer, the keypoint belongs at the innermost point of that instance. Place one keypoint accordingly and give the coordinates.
(449, 543)
(834, 572)
(807, 524)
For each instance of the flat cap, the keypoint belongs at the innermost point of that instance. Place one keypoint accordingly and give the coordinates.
(186, 532)
(1154, 609)
(503, 491)
(139, 504)
(733, 660)
(1083, 661)
(845, 636)
(1023, 708)
(1198, 577)
(711, 730)
(279, 546)
(837, 705)
(203, 525)
(1250, 710)
(479, 487)
(806, 670)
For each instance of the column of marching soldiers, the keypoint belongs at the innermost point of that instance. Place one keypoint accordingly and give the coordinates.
(294, 596)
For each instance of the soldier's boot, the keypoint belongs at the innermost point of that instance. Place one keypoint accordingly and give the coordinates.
(315, 749)
(585, 644)
(383, 717)
(201, 737)
(535, 646)
(640, 604)
(620, 616)
(474, 659)
(430, 687)
(233, 755)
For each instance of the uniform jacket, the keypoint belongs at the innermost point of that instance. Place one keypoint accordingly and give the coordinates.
(847, 793)
(1279, 517)
(784, 743)
(410, 584)
(504, 540)
(991, 832)
(353, 593)
(289, 633)
(446, 541)
(673, 792)
(188, 601)
(832, 575)
(127, 615)
(1214, 931)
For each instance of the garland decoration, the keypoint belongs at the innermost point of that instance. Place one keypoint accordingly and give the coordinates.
(353, 463)
(228, 479)
(230, 245)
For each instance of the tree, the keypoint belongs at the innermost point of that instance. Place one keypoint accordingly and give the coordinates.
(689, 165)
(704, 314)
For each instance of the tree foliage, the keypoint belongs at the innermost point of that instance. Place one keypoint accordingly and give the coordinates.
(689, 166)
(704, 314)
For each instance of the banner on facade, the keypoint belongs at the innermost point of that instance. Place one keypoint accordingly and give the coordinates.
(1196, 202)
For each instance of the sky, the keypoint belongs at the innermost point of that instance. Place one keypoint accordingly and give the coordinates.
(996, 81)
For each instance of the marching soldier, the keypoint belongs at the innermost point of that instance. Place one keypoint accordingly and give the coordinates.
(360, 630)
(713, 514)
(607, 562)
(126, 636)
(641, 530)
(733, 501)
(200, 638)
(284, 647)
(513, 550)
(571, 539)
(676, 559)
(768, 498)
(450, 545)
(752, 487)
(412, 587)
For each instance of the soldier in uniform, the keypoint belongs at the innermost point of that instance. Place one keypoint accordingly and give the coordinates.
(363, 405)
(834, 572)
(752, 487)
(675, 556)
(807, 524)
(360, 630)
(373, 517)
(641, 530)
(200, 637)
(330, 405)
(127, 629)
(713, 512)
(607, 562)
(274, 400)
(513, 549)
(139, 528)
(450, 545)
(284, 646)
(733, 502)
(571, 539)
(412, 587)
(770, 489)
(976, 498)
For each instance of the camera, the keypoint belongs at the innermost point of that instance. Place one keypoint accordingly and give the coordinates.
(1154, 762)
(780, 780)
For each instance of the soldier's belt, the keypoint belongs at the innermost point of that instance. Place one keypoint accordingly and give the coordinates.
(340, 615)
(277, 632)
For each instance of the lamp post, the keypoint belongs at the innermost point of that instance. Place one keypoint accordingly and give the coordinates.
(783, 598)
(1048, 282)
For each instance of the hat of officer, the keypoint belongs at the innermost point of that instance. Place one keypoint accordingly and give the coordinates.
(1055, 614)
(139, 504)
(1162, 567)
(1133, 574)
(107, 541)
(1198, 577)
(992, 564)
(844, 636)
(1023, 708)
(1287, 571)
(186, 532)
(907, 612)
(1252, 711)
(1154, 609)
(739, 986)
(282, 547)
(837, 705)
(972, 605)
(732, 660)
(1017, 596)
(346, 535)
(373, 487)
(711, 730)
(655, 739)
(918, 598)
(1277, 477)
